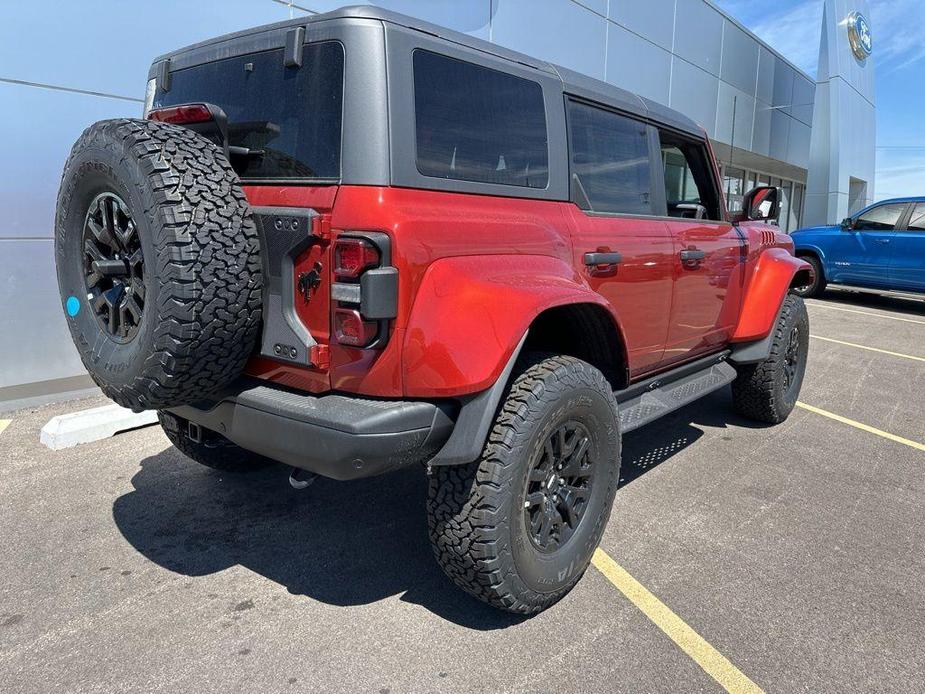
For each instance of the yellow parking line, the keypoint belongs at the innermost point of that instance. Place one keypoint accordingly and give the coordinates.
(4, 423)
(863, 427)
(711, 660)
(869, 349)
(867, 313)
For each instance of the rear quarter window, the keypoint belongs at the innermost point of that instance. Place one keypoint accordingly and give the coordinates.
(290, 118)
(474, 123)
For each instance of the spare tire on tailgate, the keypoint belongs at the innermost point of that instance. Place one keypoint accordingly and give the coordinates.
(158, 263)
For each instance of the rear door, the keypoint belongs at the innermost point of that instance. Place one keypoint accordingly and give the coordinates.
(708, 250)
(861, 255)
(624, 252)
(907, 259)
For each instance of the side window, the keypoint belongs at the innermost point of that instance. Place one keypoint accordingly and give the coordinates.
(917, 222)
(690, 188)
(880, 218)
(473, 123)
(610, 160)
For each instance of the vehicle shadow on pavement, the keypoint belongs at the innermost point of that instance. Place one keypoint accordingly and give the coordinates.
(861, 300)
(648, 447)
(341, 543)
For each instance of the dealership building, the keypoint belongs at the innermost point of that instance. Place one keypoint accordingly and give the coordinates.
(770, 122)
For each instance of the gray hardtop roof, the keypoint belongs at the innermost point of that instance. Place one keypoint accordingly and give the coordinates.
(573, 82)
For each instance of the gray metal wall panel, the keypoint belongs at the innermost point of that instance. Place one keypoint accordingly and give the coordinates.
(694, 93)
(107, 45)
(599, 6)
(784, 76)
(698, 34)
(734, 100)
(637, 65)
(798, 144)
(653, 19)
(34, 341)
(562, 33)
(780, 135)
(40, 125)
(761, 130)
(740, 59)
(766, 63)
(804, 94)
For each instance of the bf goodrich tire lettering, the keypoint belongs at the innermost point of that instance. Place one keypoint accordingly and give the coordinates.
(201, 278)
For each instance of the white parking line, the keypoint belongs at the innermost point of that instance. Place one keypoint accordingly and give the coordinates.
(697, 648)
(869, 349)
(864, 313)
(863, 427)
(4, 423)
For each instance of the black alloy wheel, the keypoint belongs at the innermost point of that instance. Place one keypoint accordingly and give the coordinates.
(113, 266)
(558, 487)
(792, 358)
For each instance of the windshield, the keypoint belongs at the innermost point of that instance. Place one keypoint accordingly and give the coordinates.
(287, 120)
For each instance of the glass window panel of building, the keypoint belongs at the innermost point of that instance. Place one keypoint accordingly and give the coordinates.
(737, 182)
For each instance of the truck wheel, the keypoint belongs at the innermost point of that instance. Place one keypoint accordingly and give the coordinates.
(517, 528)
(213, 450)
(158, 263)
(768, 391)
(817, 286)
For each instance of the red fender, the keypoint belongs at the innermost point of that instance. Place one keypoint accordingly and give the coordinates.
(771, 280)
(471, 312)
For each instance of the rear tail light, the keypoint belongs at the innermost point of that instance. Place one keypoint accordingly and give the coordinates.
(365, 288)
(352, 256)
(182, 115)
(351, 329)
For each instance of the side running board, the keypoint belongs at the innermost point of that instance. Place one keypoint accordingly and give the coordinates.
(648, 400)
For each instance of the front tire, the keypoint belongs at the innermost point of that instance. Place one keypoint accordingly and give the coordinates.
(517, 528)
(817, 286)
(768, 391)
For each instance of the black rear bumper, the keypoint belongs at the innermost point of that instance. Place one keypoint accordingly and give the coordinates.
(342, 437)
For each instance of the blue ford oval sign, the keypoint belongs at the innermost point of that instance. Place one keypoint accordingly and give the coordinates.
(862, 44)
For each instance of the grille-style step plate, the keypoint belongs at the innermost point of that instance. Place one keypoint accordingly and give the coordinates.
(659, 401)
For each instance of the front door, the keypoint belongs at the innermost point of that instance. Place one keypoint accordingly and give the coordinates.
(907, 259)
(861, 255)
(624, 252)
(708, 252)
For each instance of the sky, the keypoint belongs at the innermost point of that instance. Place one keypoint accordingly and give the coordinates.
(793, 27)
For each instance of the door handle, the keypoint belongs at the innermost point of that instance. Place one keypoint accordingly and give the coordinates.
(601, 259)
(692, 255)
(883, 240)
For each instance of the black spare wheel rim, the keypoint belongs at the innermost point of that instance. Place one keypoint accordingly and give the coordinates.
(113, 266)
(559, 487)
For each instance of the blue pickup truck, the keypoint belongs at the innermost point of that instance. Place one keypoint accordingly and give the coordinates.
(882, 247)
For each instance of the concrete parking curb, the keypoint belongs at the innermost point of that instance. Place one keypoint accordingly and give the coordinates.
(85, 426)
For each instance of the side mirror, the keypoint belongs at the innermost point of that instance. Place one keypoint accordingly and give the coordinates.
(761, 204)
(847, 224)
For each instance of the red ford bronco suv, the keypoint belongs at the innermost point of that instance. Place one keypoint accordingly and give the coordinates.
(357, 242)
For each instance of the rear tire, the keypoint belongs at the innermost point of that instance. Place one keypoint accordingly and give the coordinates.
(214, 450)
(817, 286)
(493, 523)
(768, 391)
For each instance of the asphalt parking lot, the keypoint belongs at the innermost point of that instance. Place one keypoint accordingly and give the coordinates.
(794, 554)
